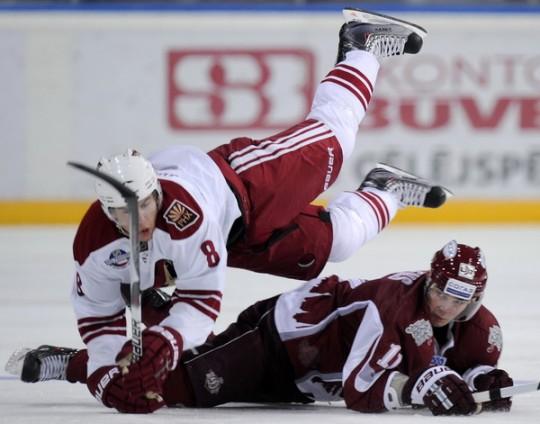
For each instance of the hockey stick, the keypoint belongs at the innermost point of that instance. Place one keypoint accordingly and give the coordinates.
(135, 284)
(516, 389)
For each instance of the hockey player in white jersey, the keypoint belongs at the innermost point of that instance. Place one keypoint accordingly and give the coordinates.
(244, 204)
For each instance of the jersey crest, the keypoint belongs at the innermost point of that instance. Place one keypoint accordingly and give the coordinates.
(495, 338)
(421, 331)
(180, 215)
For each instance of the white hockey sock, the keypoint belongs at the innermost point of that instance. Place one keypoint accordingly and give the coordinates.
(342, 98)
(357, 217)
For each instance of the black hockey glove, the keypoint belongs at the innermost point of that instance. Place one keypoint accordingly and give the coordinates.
(440, 389)
(495, 379)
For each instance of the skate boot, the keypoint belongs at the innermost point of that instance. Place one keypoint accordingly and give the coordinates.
(381, 35)
(410, 190)
(41, 364)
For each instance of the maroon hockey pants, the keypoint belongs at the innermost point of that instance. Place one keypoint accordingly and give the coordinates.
(245, 363)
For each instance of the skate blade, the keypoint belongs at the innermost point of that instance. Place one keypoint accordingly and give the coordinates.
(406, 174)
(398, 171)
(365, 16)
(14, 364)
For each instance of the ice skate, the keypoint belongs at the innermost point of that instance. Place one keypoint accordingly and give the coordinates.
(379, 34)
(41, 364)
(410, 189)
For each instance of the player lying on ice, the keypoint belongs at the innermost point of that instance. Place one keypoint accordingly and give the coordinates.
(409, 338)
(244, 204)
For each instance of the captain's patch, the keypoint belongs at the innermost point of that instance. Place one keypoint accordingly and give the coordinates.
(180, 215)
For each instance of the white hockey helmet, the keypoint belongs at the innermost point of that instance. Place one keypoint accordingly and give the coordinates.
(134, 171)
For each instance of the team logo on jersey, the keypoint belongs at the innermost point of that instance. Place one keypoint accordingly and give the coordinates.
(213, 382)
(421, 331)
(180, 215)
(495, 338)
(118, 258)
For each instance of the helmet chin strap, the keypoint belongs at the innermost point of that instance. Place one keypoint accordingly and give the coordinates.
(471, 309)
(121, 229)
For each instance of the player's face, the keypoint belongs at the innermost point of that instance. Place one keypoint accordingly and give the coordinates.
(443, 307)
(147, 217)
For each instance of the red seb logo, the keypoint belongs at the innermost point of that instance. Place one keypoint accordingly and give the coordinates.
(238, 89)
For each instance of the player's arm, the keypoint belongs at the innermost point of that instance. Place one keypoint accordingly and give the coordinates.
(375, 353)
(446, 391)
(100, 312)
(482, 357)
(374, 383)
(201, 266)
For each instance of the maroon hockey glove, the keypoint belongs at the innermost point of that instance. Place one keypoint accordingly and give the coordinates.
(107, 385)
(495, 379)
(162, 347)
(440, 389)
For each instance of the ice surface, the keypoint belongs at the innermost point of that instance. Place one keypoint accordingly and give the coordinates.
(36, 275)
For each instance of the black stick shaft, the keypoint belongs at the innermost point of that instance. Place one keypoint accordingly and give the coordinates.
(134, 273)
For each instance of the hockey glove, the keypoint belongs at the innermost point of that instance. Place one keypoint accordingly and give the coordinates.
(162, 347)
(107, 385)
(495, 379)
(440, 389)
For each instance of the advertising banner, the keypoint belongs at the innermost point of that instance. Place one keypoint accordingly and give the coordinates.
(465, 112)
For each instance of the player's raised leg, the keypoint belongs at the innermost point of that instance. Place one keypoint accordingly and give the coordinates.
(281, 174)
(358, 216)
(364, 39)
(319, 235)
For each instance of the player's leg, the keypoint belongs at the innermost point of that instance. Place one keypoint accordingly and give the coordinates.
(48, 363)
(299, 250)
(358, 216)
(242, 364)
(319, 235)
(276, 177)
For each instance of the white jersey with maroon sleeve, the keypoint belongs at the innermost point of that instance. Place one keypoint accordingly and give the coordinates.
(192, 226)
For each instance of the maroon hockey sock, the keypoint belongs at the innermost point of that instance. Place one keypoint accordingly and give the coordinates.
(76, 369)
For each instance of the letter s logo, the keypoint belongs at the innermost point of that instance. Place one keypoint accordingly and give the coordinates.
(238, 89)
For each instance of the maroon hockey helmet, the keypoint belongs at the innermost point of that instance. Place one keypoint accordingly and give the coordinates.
(459, 270)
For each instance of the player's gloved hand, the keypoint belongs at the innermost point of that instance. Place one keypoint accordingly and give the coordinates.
(495, 379)
(440, 389)
(107, 385)
(162, 347)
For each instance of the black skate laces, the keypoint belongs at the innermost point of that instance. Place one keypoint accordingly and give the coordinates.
(386, 45)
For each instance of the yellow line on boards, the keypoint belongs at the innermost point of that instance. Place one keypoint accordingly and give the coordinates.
(41, 212)
(455, 211)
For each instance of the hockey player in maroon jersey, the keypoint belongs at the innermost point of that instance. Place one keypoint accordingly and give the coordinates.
(245, 204)
(418, 338)
(409, 338)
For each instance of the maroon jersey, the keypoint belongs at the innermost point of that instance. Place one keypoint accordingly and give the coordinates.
(344, 338)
